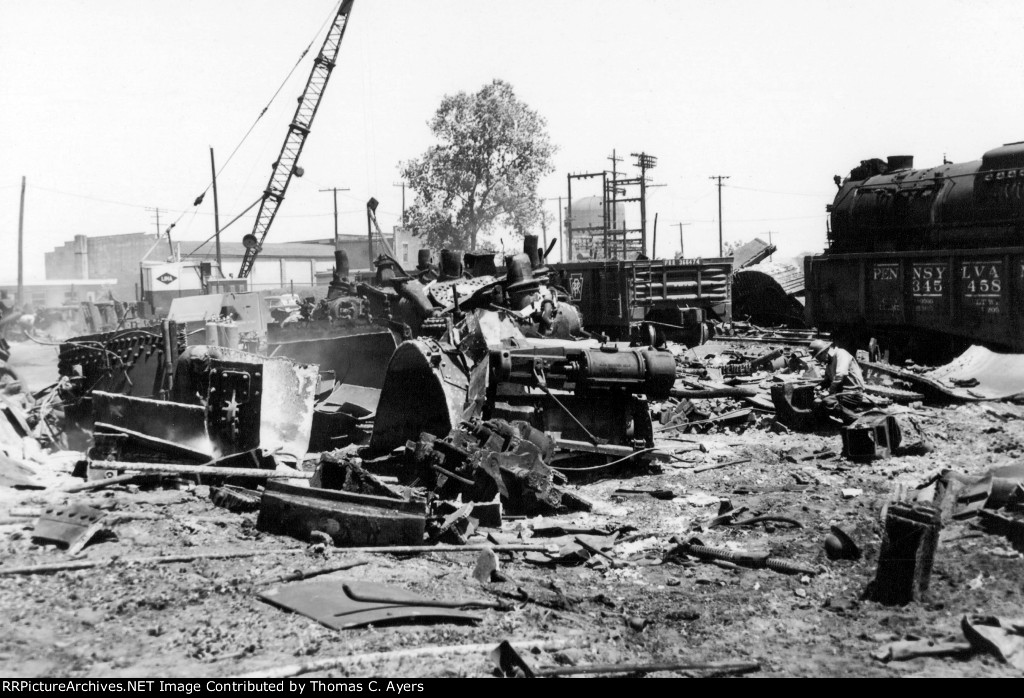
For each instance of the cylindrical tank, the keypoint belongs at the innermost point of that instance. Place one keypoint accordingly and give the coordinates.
(888, 206)
(212, 335)
(630, 369)
(228, 335)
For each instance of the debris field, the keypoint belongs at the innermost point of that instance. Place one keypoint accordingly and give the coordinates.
(503, 495)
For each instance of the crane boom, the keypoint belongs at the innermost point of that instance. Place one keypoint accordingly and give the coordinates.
(287, 162)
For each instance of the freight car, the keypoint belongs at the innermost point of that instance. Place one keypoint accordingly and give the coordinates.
(926, 261)
(675, 296)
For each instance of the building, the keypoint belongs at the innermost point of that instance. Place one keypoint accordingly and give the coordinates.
(280, 265)
(56, 293)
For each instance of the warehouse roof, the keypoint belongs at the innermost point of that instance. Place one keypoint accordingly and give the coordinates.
(298, 250)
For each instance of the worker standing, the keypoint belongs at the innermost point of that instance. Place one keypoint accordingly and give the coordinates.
(843, 383)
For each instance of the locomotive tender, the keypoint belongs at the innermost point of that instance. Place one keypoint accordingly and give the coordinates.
(927, 261)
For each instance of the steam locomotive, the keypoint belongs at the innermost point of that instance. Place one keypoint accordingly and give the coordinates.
(926, 261)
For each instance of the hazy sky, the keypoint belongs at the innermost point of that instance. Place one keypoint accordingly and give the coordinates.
(110, 106)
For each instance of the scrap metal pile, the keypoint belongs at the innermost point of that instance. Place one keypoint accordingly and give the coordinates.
(480, 408)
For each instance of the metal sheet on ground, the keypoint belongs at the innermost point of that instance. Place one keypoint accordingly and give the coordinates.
(327, 601)
(70, 527)
(998, 376)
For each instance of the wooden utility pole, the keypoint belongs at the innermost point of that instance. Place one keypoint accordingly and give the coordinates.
(681, 248)
(615, 198)
(216, 209)
(721, 247)
(402, 185)
(159, 233)
(654, 243)
(335, 190)
(21, 242)
(543, 226)
(561, 232)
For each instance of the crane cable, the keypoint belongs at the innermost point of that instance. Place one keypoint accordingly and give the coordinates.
(199, 199)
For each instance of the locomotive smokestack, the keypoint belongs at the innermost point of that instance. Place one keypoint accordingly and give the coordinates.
(341, 267)
(900, 162)
(530, 244)
(451, 265)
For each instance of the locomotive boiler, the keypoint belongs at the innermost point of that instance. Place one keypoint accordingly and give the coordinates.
(927, 261)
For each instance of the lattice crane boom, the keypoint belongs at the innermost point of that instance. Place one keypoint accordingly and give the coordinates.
(287, 162)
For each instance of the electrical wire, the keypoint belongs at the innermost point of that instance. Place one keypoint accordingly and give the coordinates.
(277, 92)
(769, 191)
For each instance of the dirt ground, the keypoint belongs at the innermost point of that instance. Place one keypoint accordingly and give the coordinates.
(203, 618)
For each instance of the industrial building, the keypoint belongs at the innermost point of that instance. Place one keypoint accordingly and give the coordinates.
(55, 293)
(281, 265)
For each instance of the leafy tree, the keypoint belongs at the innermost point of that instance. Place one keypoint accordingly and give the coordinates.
(483, 173)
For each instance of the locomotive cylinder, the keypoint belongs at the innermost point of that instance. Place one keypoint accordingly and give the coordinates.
(650, 372)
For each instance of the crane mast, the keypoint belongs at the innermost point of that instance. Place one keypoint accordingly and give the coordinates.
(286, 164)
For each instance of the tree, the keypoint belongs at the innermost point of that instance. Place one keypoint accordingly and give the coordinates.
(483, 173)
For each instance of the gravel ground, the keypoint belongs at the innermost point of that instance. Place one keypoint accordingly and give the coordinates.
(203, 618)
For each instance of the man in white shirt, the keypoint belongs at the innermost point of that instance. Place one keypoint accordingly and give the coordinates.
(843, 382)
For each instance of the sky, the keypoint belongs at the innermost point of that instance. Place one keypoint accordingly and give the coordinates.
(109, 107)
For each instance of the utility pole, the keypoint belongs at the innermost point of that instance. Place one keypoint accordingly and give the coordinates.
(335, 190)
(561, 232)
(568, 221)
(216, 210)
(654, 244)
(543, 226)
(21, 238)
(170, 246)
(681, 248)
(644, 162)
(402, 185)
(721, 247)
(615, 199)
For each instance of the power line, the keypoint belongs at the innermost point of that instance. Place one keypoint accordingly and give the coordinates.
(178, 210)
(784, 193)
